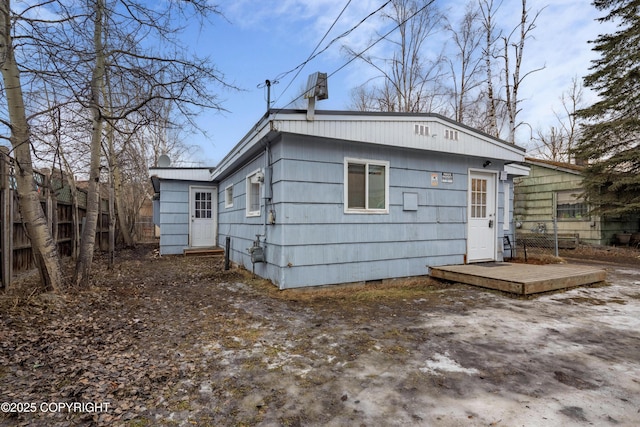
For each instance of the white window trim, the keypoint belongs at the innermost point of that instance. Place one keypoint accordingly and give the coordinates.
(227, 203)
(365, 162)
(250, 213)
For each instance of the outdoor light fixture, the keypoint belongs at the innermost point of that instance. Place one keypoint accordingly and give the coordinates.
(486, 163)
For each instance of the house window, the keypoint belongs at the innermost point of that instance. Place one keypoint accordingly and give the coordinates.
(228, 196)
(367, 186)
(570, 206)
(254, 181)
(451, 134)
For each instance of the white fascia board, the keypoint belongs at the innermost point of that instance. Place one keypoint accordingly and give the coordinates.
(516, 169)
(183, 174)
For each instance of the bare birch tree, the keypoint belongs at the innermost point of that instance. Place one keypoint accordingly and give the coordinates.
(43, 246)
(466, 66)
(503, 57)
(62, 43)
(488, 10)
(411, 81)
(513, 73)
(175, 78)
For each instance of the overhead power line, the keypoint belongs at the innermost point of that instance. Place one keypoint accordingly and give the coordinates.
(301, 66)
(331, 43)
(358, 55)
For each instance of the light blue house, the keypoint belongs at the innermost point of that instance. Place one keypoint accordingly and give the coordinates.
(338, 197)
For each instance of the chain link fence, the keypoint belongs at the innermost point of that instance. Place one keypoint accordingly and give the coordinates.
(145, 230)
(541, 238)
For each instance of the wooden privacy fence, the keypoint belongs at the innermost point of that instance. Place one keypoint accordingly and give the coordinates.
(64, 215)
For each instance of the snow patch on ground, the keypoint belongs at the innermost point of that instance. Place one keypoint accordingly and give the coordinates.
(442, 363)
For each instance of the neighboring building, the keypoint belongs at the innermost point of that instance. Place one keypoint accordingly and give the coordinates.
(554, 190)
(337, 197)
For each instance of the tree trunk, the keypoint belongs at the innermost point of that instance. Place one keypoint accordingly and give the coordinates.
(112, 224)
(492, 116)
(125, 227)
(87, 243)
(44, 248)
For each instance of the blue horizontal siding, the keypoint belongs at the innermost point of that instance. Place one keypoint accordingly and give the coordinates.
(314, 242)
(358, 234)
(338, 254)
(295, 277)
(174, 215)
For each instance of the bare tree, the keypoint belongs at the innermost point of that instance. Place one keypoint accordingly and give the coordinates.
(503, 55)
(558, 141)
(73, 52)
(488, 10)
(513, 74)
(43, 246)
(95, 103)
(410, 83)
(467, 64)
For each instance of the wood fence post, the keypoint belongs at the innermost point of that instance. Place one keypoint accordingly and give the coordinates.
(45, 194)
(6, 219)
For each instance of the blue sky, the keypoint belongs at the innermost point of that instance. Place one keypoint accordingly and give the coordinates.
(264, 39)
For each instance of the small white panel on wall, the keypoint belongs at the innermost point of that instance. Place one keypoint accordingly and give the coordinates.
(410, 201)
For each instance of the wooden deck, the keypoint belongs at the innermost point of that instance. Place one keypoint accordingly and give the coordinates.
(521, 279)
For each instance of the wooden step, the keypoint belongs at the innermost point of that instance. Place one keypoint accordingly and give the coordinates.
(212, 252)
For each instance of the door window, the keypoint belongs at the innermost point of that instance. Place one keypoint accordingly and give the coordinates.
(202, 208)
(478, 198)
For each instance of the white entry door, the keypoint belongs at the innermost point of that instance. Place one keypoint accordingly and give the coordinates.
(481, 240)
(202, 212)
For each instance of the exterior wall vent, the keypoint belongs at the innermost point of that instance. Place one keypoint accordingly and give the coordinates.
(420, 129)
(451, 134)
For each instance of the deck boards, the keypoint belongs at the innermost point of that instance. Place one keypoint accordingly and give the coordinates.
(521, 279)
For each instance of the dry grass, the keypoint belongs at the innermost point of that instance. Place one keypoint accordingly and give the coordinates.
(392, 290)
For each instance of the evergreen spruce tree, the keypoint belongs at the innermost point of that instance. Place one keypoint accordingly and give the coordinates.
(611, 132)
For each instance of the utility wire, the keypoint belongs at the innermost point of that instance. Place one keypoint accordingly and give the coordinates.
(331, 43)
(358, 55)
(301, 66)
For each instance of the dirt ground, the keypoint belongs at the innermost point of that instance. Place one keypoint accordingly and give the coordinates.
(177, 341)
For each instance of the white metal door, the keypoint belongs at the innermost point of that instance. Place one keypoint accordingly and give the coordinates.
(202, 228)
(481, 240)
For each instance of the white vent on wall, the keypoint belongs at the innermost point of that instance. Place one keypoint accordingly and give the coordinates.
(422, 130)
(451, 134)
